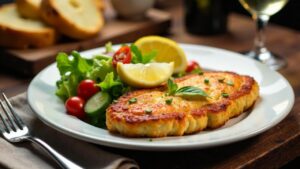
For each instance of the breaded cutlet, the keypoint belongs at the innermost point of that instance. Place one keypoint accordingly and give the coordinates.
(150, 115)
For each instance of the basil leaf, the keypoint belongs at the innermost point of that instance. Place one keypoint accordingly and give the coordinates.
(172, 87)
(191, 91)
(149, 56)
(137, 55)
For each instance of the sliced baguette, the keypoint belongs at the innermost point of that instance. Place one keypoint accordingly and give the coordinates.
(17, 32)
(77, 19)
(100, 4)
(29, 8)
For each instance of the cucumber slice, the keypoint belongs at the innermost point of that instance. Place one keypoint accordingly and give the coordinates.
(96, 106)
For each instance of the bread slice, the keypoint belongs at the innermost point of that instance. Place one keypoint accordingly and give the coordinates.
(17, 32)
(100, 4)
(29, 8)
(77, 19)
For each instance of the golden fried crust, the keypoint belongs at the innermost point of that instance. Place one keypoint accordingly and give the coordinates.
(183, 116)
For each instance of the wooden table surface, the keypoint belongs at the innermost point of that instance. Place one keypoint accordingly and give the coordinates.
(271, 149)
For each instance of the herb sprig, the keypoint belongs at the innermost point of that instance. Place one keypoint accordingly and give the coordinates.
(138, 57)
(186, 91)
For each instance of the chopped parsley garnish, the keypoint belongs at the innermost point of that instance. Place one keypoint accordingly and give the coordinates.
(150, 139)
(221, 80)
(225, 95)
(132, 100)
(169, 101)
(230, 83)
(148, 111)
(206, 81)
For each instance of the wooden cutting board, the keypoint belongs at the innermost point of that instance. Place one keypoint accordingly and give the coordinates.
(30, 61)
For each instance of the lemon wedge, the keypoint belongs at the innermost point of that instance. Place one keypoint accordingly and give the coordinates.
(167, 51)
(145, 75)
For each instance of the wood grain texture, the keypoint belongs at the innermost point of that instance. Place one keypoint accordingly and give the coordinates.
(271, 149)
(31, 61)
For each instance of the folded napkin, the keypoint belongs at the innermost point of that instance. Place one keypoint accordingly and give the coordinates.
(25, 155)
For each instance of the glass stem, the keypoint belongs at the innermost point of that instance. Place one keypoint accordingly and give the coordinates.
(259, 41)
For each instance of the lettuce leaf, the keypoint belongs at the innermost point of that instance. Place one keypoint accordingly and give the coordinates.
(72, 70)
(108, 47)
(109, 82)
(113, 85)
(100, 68)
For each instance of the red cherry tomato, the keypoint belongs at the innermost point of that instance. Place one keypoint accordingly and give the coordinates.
(74, 106)
(87, 88)
(192, 66)
(122, 55)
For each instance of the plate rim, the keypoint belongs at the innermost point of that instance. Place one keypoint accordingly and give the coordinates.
(135, 146)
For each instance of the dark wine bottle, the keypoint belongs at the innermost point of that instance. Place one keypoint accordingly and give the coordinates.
(206, 17)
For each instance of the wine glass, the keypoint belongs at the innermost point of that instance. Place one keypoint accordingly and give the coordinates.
(261, 10)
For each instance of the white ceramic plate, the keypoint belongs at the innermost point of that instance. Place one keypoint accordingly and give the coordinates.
(275, 102)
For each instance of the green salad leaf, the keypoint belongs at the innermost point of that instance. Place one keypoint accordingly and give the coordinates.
(100, 68)
(64, 64)
(197, 71)
(72, 69)
(108, 47)
(102, 57)
(117, 91)
(109, 82)
(114, 86)
(66, 86)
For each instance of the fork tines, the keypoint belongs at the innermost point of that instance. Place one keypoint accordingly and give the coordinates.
(9, 115)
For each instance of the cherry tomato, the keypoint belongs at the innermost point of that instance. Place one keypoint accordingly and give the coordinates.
(192, 66)
(122, 55)
(87, 88)
(74, 106)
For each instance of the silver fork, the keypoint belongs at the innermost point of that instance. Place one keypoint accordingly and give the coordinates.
(14, 130)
